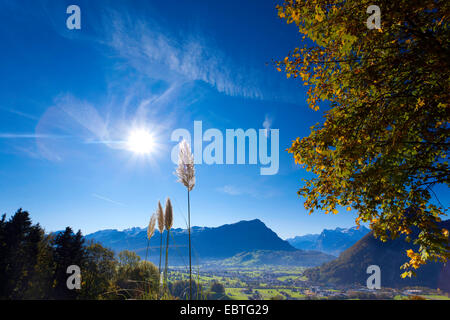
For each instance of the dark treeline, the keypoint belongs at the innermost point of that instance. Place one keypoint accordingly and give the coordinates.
(33, 265)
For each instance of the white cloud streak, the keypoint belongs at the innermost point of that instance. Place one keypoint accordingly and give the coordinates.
(232, 190)
(160, 56)
(29, 136)
(267, 124)
(20, 113)
(107, 199)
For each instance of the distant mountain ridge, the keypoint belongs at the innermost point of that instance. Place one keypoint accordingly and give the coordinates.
(302, 258)
(330, 241)
(207, 243)
(350, 268)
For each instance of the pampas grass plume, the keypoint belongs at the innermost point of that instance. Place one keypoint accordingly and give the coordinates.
(151, 227)
(168, 216)
(160, 214)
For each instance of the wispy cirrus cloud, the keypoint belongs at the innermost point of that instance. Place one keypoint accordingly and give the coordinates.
(20, 113)
(230, 190)
(233, 190)
(248, 190)
(267, 124)
(107, 199)
(160, 55)
(29, 136)
(20, 143)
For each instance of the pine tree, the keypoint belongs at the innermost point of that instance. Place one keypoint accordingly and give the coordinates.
(68, 250)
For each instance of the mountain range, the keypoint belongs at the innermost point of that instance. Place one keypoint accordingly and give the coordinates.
(330, 241)
(208, 244)
(350, 268)
(252, 243)
(303, 258)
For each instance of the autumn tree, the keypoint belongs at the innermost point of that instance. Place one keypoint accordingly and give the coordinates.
(217, 292)
(217, 287)
(136, 279)
(382, 146)
(41, 283)
(98, 272)
(180, 290)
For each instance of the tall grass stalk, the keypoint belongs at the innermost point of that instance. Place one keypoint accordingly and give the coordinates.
(189, 236)
(160, 215)
(186, 175)
(168, 222)
(150, 232)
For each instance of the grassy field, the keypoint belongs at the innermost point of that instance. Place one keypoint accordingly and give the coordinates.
(269, 282)
(284, 278)
(426, 296)
(236, 293)
(265, 294)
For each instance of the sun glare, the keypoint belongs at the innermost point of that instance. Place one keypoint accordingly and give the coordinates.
(140, 141)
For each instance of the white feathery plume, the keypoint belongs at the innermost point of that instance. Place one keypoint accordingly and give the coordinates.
(161, 225)
(185, 170)
(168, 215)
(186, 175)
(151, 226)
(168, 222)
(160, 214)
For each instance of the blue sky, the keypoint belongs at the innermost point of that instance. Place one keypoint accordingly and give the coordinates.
(158, 65)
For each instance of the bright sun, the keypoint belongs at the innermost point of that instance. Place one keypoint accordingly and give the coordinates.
(140, 141)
